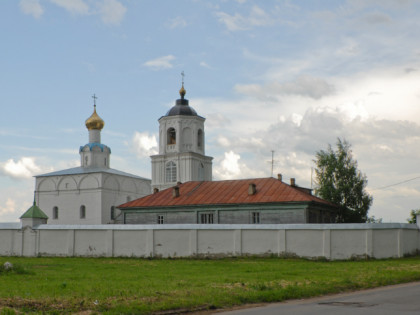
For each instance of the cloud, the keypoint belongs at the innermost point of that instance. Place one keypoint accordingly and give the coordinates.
(160, 63)
(204, 65)
(238, 22)
(230, 168)
(112, 12)
(31, 7)
(73, 6)
(177, 22)
(144, 144)
(306, 86)
(9, 207)
(23, 168)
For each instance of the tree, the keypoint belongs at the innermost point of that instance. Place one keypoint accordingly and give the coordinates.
(339, 181)
(413, 216)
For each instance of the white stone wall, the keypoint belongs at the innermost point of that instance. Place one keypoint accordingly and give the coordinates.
(332, 241)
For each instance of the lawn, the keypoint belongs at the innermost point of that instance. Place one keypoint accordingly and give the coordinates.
(143, 286)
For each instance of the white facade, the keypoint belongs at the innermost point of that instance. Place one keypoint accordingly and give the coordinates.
(181, 155)
(90, 193)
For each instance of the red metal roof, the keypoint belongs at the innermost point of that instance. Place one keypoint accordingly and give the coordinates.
(269, 190)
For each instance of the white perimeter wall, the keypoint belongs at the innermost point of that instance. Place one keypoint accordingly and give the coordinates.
(332, 241)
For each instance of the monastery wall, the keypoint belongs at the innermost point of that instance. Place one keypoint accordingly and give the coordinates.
(332, 241)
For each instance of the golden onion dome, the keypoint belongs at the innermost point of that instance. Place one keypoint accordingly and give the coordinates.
(182, 92)
(94, 121)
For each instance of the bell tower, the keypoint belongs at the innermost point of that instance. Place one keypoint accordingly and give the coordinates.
(181, 155)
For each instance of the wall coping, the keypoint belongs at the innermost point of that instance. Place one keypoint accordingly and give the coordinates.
(332, 226)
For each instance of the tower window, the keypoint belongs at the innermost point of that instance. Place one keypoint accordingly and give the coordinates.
(201, 172)
(55, 213)
(82, 212)
(112, 213)
(171, 135)
(200, 138)
(170, 172)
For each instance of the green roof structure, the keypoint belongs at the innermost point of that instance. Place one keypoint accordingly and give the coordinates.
(34, 212)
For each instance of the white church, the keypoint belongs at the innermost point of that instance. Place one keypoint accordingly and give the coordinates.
(90, 193)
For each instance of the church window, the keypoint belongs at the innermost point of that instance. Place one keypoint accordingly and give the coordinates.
(113, 213)
(170, 172)
(201, 172)
(200, 138)
(82, 212)
(255, 217)
(160, 219)
(105, 162)
(171, 136)
(55, 213)
(206, 218)
(86, 160)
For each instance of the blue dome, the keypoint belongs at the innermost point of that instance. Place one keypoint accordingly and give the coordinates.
(95, 144)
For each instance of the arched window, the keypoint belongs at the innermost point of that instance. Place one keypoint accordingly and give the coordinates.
(200, 138)
(171, 136)
(86, 160)
(82, 212)
(112, 213)
(201, 171)
(55, 213)
(170, 172)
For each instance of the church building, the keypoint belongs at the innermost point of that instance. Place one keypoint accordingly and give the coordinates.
(88, 194)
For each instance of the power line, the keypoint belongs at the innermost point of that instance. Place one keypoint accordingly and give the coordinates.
(396, 184)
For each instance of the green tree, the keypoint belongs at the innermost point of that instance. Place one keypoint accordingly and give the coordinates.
(339, 181)
(413, 216)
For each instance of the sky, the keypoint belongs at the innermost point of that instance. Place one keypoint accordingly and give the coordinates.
(274, 78)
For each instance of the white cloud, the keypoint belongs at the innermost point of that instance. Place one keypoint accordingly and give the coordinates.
(204, 64)
(160, 63)
(229, 166)
(112, 11)
(31, 7)
(73, 6)
(9, 207)
(177, 22)
(144, 144)
(23, 168)
(306, 86)
(238, 22)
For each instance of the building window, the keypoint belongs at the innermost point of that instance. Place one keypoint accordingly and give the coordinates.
(112, 213)
(82, 212)
(160, 219)
(201, 171)
(55, 213)
(199, 138)
(255, 217)
(128, 198)
(170, 172)
(206, 218)
(171, 136)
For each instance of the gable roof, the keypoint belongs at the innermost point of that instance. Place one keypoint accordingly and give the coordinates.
(268, 190)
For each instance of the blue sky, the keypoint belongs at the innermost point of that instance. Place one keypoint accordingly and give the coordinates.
(288, 76)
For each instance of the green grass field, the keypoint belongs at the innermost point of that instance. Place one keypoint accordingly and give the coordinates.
(142, 286)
